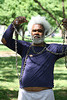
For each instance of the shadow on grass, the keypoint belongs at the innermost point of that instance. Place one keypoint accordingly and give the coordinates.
(6, 94)
(60, 76)
(60, 61)
(8, 68)
(8, 73)
(60, 94)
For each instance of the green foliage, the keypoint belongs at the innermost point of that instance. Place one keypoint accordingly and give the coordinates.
(55, 7)
(10, 9)
(1, 1)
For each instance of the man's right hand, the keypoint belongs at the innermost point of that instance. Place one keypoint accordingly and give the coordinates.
(19, 20)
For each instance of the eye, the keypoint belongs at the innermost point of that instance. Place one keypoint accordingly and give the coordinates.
(34, 30)
(40, 30)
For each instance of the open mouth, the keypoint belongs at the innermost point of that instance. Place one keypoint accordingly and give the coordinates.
(36, 36)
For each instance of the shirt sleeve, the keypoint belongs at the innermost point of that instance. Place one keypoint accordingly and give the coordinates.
(8, 35)
(61, 50)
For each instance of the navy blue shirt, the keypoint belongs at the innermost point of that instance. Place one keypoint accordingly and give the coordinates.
(39, 67)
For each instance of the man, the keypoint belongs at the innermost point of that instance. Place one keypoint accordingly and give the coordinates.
(38, 59)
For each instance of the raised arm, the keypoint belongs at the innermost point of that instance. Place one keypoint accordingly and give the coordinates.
(9, 32)
(7, 38)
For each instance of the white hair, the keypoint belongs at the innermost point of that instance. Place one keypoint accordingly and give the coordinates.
(39, 20)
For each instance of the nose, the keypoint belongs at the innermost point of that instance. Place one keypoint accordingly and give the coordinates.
(36, 33)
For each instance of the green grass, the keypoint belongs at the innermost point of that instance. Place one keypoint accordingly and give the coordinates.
(60, 80)
(4, 48)
(9, 83)
(47, 40)
(54, 39)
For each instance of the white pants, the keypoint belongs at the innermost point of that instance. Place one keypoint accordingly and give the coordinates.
(41, 95)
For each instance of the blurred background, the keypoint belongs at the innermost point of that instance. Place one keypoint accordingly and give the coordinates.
(54, 11)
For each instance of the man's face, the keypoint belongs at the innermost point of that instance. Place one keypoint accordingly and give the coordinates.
(37, 33)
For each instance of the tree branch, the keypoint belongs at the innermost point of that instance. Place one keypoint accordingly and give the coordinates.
(47, 12)
(63, 9)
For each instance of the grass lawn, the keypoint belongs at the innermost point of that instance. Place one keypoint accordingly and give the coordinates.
(4, 48)
(9, 83)
(60, 80)
(47, 40)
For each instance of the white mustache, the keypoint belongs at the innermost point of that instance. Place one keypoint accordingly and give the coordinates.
(37, 39)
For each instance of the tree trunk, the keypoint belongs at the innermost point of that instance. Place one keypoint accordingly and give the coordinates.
(22, 33)
(63, 9)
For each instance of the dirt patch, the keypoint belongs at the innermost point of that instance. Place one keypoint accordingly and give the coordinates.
(7, 53)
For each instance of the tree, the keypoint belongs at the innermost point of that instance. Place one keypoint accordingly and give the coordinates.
(10, 9)
(54, 17)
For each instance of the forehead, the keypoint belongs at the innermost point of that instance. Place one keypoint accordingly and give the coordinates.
(37, 26)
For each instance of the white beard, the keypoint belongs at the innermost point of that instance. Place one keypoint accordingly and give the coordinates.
(38, 40)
